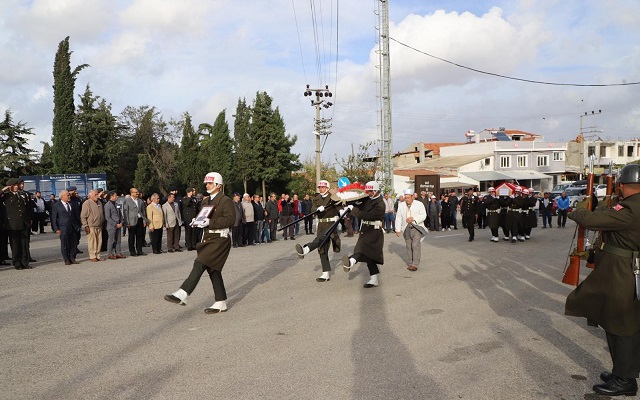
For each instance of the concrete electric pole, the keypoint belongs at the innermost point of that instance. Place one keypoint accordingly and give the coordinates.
(385, 94)
(320, 124)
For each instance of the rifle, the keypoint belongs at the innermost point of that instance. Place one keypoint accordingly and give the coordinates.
(333, 227)
(308, 216)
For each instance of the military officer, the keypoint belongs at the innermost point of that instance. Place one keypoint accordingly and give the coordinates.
(609, 295)
(17, 223)
(469, 211)
(215, 246)
(371, 239)
(514, 216)
(530, 218)
(327, 216)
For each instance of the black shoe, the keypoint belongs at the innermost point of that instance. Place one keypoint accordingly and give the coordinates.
(18, 267)
(285, 238)
(27, 267)
(513, 240)
(142, 254)
(73, 261)
(617, 386)
(274, 240)
(173, 299)
(322, 280)
(606, 376)
(79, 251)
(32, 260)
(4, 262)
(134, 254)
(471, 239)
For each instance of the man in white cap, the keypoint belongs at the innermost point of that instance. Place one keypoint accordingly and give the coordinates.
(215, 246)
(411, 213)
(371, 239)
(433, 213)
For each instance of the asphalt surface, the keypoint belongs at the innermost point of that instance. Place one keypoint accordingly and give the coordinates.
(478, 320)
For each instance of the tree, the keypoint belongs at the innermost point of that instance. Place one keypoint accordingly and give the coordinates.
(304, 182)
(360, 166)
(188, 157)
(216, 148)
(246, 155)
(15, 157)
(65, 145)
(45, 166)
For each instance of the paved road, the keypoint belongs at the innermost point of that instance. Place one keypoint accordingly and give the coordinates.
(478, 320)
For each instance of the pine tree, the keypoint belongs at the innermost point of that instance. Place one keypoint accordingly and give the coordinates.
(188, 156)
(65, 146)
(246, 155)
(45, 166)
(15, 157)
(216, 148)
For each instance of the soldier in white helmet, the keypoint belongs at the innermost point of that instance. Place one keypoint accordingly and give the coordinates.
(371, 239)
(214, 247)
(327, 216)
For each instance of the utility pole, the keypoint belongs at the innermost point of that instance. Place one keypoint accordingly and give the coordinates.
(385, 93)
(582, 142)
(320, 124)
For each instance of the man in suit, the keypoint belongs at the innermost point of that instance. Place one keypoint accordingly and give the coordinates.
(114, 222)
(173, 223)
(66, 223)
(156, 223)
(135, 217)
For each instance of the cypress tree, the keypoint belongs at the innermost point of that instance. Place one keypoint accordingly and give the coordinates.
(246, 156)
(216, 150)
(65, 145)
(188, 157)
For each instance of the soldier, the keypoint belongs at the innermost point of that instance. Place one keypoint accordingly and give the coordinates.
(17, 224)
(214, 248)
(530, 218)
(190, 207)
(469, 211)
(371, 239)
(514, 216)
(493, 213)
(609, 295)
(327, 216)
(504, 201)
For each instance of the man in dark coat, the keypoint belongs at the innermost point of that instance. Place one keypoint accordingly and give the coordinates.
(190, 207)
(469, 211)
(214, 248)
(371, 239)
(66, 223)
(515, 216)
(17, 223)
(530, 218)
(327, 216)
(546, 210)
(272, 213)
(609, 295)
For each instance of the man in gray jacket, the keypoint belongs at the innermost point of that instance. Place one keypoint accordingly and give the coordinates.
(114, 219)
(135, 216)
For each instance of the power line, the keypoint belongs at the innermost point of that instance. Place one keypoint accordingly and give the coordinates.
(511, 77)
(295, 17)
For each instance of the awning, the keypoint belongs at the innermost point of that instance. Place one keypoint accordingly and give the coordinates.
(483, 176)
(526, 174)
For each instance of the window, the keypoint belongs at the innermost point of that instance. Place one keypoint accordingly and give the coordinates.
(487, 161)
(522, 161)
(629, 151)
(505, 161)
(591, 151)
(558, 156)
(620, 151)
(603, 151)
(543, 161)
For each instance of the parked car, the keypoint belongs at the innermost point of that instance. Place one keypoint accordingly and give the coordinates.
(559, 188)
(600, 190)
(575, 195)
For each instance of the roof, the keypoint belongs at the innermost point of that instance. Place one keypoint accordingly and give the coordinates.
(435, 165)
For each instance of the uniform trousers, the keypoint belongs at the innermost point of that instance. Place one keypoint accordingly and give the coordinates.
(136, 237)
(4, 245)
(625, 354)
(94, 241)
(470, 223)
(190, 237)
(372, 265)
(414, 246)
(114, 241)
(19, 241)
(323, 250)
(198, 269)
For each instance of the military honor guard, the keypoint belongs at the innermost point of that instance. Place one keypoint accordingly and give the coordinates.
(514, 216)
(371, 239)
(492, 205)
(469, 211)
(530, 217)
(217, 215)
(17, 223)
(610, 295)
(327, 214)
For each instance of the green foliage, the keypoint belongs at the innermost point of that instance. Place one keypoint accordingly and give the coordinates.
(304, 180)
(65, 150)
(15, 157)
(144, 179)
(361, 166)
(188, 172)
(246, 154)
(45, 166)
(216, 148)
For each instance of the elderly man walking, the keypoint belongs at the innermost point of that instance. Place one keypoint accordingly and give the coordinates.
(114, 219)
(410, 224)
(92, 217)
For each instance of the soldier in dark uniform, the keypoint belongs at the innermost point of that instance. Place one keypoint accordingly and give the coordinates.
(31, 205)
(4, 232)
(514, 216)
(608, 296)
(493, 213)
(190, 208)
(327, 216)
(504, 201)
(214, 248)
(530, 218)
(469, 211)
(371, 239)
(76, 207)
(17, 224)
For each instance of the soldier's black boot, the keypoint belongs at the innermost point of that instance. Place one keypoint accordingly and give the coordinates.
(617, 386)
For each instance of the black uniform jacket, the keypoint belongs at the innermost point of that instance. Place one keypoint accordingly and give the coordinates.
(17, 212)
(493, 211)
(371, 240)
(607, 295)
(214, 249)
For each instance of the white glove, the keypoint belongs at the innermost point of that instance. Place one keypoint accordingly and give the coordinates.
(350, 206)
(193, 222)
(341, 212)
(320, 209)
(202, 224)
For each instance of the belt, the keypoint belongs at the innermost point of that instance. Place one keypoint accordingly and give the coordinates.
(222, 232)
(618, 251)
(332, 219)
(374, 224)
(515, 209)
(493, 211)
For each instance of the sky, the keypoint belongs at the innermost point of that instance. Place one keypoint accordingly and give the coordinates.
(201, 56)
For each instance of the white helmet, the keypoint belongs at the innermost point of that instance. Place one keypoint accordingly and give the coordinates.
(213, 177)
(492, 189)
(323, 183)
(372, 185)
(525, 191)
